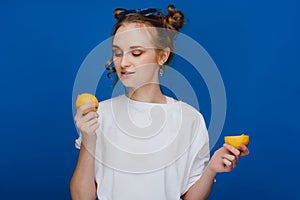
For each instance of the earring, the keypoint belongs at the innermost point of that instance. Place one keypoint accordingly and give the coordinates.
(161, 71)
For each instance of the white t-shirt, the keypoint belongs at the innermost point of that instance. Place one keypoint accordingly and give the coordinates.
(148, 151)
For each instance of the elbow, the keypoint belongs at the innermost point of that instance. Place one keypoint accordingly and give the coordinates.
(191, 195)
(79, 191)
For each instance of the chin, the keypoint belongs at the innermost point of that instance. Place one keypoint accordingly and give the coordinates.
(128, 83)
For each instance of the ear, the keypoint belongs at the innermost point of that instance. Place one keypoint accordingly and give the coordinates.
(163, 55)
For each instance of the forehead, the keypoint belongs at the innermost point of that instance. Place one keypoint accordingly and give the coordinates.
(134, 34)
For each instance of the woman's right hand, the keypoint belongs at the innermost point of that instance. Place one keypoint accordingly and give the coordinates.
(88, 123)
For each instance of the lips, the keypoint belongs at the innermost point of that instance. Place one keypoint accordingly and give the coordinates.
(126, 73)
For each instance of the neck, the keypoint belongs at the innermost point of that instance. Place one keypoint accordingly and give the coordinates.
(149, 93)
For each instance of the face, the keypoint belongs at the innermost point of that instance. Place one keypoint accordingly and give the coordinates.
(135, 58)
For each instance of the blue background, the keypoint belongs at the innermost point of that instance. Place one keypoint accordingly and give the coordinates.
(255, 45)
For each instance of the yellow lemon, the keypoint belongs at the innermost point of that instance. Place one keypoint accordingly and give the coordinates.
(236, 141)
(87, 98)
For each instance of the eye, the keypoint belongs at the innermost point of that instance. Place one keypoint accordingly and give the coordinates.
(136, 53)
(117, 53)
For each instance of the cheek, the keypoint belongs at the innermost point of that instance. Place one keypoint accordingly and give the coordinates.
(147, 69)
(117, 68)
(117, 64)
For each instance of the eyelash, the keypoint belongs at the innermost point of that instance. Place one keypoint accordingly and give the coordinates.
(136, 54)
(117, 54)
(133, 53)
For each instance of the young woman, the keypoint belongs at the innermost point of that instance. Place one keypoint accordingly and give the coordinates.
(129, 149)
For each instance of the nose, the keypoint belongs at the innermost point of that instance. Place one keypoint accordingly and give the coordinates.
(125, 61)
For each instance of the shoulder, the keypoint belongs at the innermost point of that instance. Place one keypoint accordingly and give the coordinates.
(109, 102)
(192, 118)
(190, 112)
(108, 107)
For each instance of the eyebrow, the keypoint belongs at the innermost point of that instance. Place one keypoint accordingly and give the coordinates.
(132, 47)
(115, 46)
(136, 47)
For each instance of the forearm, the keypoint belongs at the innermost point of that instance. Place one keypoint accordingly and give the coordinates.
(83, 185)
(202, 188)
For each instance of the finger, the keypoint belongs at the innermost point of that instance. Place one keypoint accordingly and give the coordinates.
(91, 129)
(231, 149)
(81, 109)
(229, 157)
(89, 116)
(244, 150)
(81, 121)
(95, 126)
(91, 122)
(226, 162)
(233, 159)
(84, 107)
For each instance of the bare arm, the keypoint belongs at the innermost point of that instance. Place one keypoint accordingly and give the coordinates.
(223, 160)
(202, 188)
(82, 184)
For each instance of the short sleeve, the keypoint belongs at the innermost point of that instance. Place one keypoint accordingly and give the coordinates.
(78, 142)
(199, 157)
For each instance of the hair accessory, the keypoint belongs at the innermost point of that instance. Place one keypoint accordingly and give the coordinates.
(143, 11)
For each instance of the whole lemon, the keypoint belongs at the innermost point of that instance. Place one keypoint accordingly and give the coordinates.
(236, 141)
(87, 98)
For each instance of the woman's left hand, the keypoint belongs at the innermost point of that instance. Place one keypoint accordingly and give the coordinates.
(226, 158)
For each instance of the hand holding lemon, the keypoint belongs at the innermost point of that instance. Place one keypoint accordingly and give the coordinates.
(226, 158)
(86, 118)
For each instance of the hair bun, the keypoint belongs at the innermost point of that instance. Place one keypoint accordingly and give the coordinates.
(171, 9)
(174, 19)
(117, 12)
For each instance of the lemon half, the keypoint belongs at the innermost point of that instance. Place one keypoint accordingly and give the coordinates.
(236, 141)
